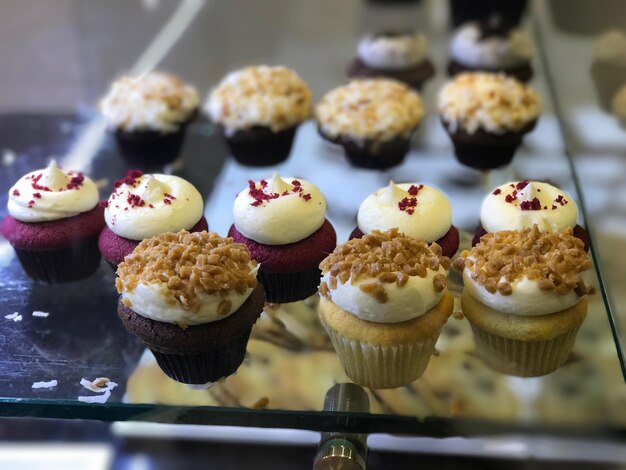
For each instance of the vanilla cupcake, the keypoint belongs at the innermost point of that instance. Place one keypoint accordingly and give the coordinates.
(525, 297)
(490, 46)
(258, 110)
(145, 205)
(522, 204)
(401, 56)
(383, 304)
(486, 116)
(149, 116)
(417, 210)
(373, 119)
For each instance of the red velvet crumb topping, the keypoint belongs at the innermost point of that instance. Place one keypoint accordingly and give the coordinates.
(561, 200)
(260, 196)
(497, 191)
(15, 192)
(408, 204)
(533, 205)
(134, 200)
(104, 204)
(37, 195)
(76, 181)
(35, 184)
(130, 179)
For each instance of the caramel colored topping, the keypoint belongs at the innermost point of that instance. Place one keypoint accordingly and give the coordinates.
(186, 265)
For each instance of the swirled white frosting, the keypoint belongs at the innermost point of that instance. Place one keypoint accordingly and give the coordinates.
(493, 52)
(527, 299)
(519, 204)
(151, 302)
(395, 52)
(51, 194)
(279, 211)
(610, 48)
(154, 101)
(274, 97)
(152, 204)
(404, 303)
(419, 211)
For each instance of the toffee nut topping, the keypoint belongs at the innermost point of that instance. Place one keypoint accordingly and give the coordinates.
(186, 265)
(385, 258)
(554, 260)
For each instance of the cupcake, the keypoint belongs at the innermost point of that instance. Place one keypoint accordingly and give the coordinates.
(510, 12)
(608, 69)
(383, 304)
(525, 297)
(521, 204)
(417, 210)
(401, 56)
(192, 298)
(283, 223)
(486, 116)
(53, 224)
(257, 110)
(142, 206)
(488, 46)
(149, 115)
(373, 119)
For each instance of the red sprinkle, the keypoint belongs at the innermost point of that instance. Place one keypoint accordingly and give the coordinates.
(104, 204)
(150, 206)
(521, 185)
(76, 181)
(169, 196)
(554, 207)
(167, 201)
(35, 184)
(413, 190)
(511, 197)
(497, 191)
(306, 197)
(533, 205)
(37, 195)
(130, 178)
(31, 203)
(135, 201)
(561, 200)
(15, 192)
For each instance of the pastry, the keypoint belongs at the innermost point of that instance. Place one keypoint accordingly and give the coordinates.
(417, 210)
(258, 110)
(283, 223)
(53, 224)
(149, 116)
(384, 301)
(192, 298)
(373, 119)
(486, 116)
(142, 206)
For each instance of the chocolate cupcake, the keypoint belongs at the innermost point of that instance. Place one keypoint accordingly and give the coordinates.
(258, 110)
(608, 69)
(522, 204)
(283, 223)
(192, 298)
(489, 46)
(142, 206)
(416, 210)
(509, 11)
(487, 116)
(149, 116)
(373, 119)
(401, 56)
(53, 224)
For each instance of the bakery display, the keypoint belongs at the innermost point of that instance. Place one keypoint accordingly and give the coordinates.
(525, 295)
(401, 56)
(417, 210)
(258, 110)
(372, 119)
(283, 223)
(149, 115)
(144, 205)
(192, 298)
(53, 224)
(383, 303)
(487, 116)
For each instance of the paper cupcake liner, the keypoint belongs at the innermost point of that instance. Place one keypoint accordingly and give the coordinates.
(150, 149)
(378, 367)
(523, 72)
(523, 358)
(282, 288)
(377, 156)
(78, 261)
(259, 146)
(484, 155)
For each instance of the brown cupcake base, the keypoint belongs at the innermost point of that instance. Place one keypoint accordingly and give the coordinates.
(259, 145)
(523, 72)
(414, 76)
(285, 287)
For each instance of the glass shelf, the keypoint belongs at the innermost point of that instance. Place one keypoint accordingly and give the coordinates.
(290, 364)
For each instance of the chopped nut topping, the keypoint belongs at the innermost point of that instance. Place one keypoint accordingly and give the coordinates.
(554, 260)
(385, 258)
(188, 264)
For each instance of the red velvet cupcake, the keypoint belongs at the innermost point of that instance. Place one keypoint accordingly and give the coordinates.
(283, 223)
(143, 206)
(53, 224)
(417, 210)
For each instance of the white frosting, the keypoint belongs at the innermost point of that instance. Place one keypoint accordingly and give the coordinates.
(288, 217)
(393, 52)
(136, 220)
(610, 48)
(274, 97)
(404, 303)
(431, 218)
(44, 195)
(527, 299)
(150, 301)
(153, 101)
(557, 209)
